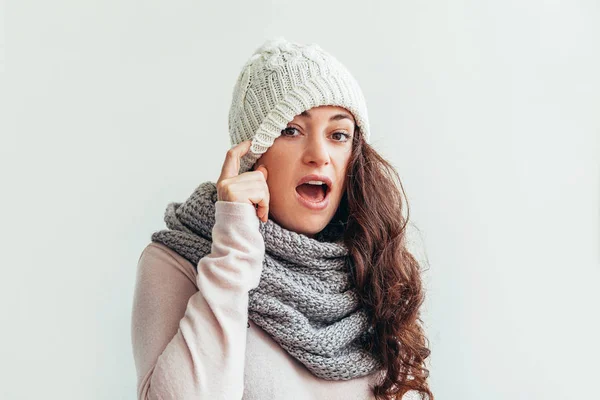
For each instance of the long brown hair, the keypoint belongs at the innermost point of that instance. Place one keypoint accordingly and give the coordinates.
(386, 275)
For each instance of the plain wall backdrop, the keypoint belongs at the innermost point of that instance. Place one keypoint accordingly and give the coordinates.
(490, 111)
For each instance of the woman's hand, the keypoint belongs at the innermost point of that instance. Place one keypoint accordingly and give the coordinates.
(248, 187)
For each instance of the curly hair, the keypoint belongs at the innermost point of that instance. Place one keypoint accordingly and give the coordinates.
(385, 273)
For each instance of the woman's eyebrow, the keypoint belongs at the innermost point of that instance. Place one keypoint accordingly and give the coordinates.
(335, 117)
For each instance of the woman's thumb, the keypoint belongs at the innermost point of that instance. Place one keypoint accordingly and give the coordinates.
(263, 206)
(263, 169)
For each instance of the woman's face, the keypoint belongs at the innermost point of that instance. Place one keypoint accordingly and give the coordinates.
(318, 141)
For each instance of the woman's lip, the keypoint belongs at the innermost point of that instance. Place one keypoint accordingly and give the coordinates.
(318, 206)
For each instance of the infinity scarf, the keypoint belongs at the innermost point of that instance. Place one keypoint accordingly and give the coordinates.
(305, 299)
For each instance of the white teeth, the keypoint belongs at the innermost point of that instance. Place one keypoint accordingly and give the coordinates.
(315, 183)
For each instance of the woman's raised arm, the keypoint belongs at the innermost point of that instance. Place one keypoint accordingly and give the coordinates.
(189, 331)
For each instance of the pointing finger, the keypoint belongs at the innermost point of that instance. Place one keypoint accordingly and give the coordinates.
(231, 165)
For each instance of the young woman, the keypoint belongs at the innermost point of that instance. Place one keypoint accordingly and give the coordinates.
(288, 278)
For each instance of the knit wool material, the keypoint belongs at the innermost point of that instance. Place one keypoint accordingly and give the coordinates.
(305, 299)
(281, 80)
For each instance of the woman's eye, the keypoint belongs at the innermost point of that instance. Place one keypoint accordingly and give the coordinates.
(344, 135)
(289, 128)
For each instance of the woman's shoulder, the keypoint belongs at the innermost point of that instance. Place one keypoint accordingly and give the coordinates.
(160, 259)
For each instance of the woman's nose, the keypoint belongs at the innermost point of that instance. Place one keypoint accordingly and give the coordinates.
(316, 151)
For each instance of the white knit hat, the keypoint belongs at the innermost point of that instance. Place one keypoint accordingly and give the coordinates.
(281, 80)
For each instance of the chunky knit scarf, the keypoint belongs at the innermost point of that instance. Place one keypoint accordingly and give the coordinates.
(305, 299)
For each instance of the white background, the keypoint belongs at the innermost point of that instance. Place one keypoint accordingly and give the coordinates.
(490, 110)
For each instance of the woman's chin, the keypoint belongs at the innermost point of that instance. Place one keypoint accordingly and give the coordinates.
(303, 223)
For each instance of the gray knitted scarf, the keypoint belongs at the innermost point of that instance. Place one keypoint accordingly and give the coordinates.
(305, 299)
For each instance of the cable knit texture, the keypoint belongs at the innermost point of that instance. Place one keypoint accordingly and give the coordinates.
(305, 298)
(281, 80)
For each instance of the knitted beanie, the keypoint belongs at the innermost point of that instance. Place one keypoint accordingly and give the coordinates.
(281, 80)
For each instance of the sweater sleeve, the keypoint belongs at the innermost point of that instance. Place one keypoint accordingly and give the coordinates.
(189, 331)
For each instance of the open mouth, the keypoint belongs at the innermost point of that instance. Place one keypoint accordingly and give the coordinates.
(314, 193)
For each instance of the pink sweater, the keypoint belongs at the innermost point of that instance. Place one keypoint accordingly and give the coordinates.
(190, 331)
